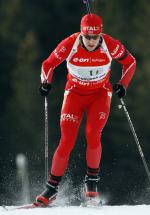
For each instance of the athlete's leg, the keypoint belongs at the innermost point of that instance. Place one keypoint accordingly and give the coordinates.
(71, 116)
(97, 115)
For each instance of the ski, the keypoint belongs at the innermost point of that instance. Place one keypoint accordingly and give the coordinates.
(28, 206)
(31, 206)
(91, 203)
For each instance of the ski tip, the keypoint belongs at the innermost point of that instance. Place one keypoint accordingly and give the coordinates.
(30, 206)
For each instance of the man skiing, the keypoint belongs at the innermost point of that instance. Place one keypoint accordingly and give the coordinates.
(88, 55)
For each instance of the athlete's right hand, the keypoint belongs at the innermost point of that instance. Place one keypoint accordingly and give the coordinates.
(44, 89)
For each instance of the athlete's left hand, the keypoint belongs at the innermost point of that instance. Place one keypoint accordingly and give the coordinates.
(119, 90)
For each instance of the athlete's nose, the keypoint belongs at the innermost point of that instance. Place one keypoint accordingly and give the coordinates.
(92, 42)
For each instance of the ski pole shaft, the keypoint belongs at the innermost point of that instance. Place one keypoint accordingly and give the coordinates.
(46, 138)
(87, 5)
(136, 138)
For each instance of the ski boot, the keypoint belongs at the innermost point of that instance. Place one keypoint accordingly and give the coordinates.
(91, 193)
(48, 196)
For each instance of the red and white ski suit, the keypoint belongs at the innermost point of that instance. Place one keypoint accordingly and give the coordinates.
(88, 91)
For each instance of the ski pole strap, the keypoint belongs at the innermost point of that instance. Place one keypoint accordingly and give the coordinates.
(87, 5)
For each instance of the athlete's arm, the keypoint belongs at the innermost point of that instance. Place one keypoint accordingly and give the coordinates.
(119, 53)
(56, 57)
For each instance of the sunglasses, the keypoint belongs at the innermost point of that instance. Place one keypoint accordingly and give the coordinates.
(93, 37)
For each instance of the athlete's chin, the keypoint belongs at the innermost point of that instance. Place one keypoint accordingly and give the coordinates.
(91, 48)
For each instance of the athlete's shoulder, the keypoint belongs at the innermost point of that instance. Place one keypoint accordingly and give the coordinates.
(75, 35)
(109, 39)
(115, 47)
(64, 47)
(71, 39)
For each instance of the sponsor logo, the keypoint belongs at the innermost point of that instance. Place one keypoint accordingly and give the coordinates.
(80, 82)
(69, 117)
(115, 50)
(63, 49)
(91, 28)
(57, 55)
(120, 54)
(75, 80)
(102, 115)
(84, 83)
(98, 60)
(81, 60)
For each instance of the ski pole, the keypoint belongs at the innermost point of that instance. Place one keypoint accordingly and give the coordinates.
(135, 137)
(87, 5)
(46, 127)
(46, 138)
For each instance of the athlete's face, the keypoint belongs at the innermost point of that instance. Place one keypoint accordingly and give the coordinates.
(91, 41)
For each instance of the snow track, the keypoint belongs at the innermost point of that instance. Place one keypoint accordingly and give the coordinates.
(74, 210)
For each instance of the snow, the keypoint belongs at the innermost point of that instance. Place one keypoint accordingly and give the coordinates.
(75, 210)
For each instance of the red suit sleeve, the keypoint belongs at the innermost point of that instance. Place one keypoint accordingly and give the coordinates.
(119, 53)
(56, 57)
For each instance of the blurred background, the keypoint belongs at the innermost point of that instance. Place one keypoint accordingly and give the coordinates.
(29, 31)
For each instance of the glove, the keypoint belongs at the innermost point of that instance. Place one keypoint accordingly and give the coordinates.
(44, 89)
(119, 90)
